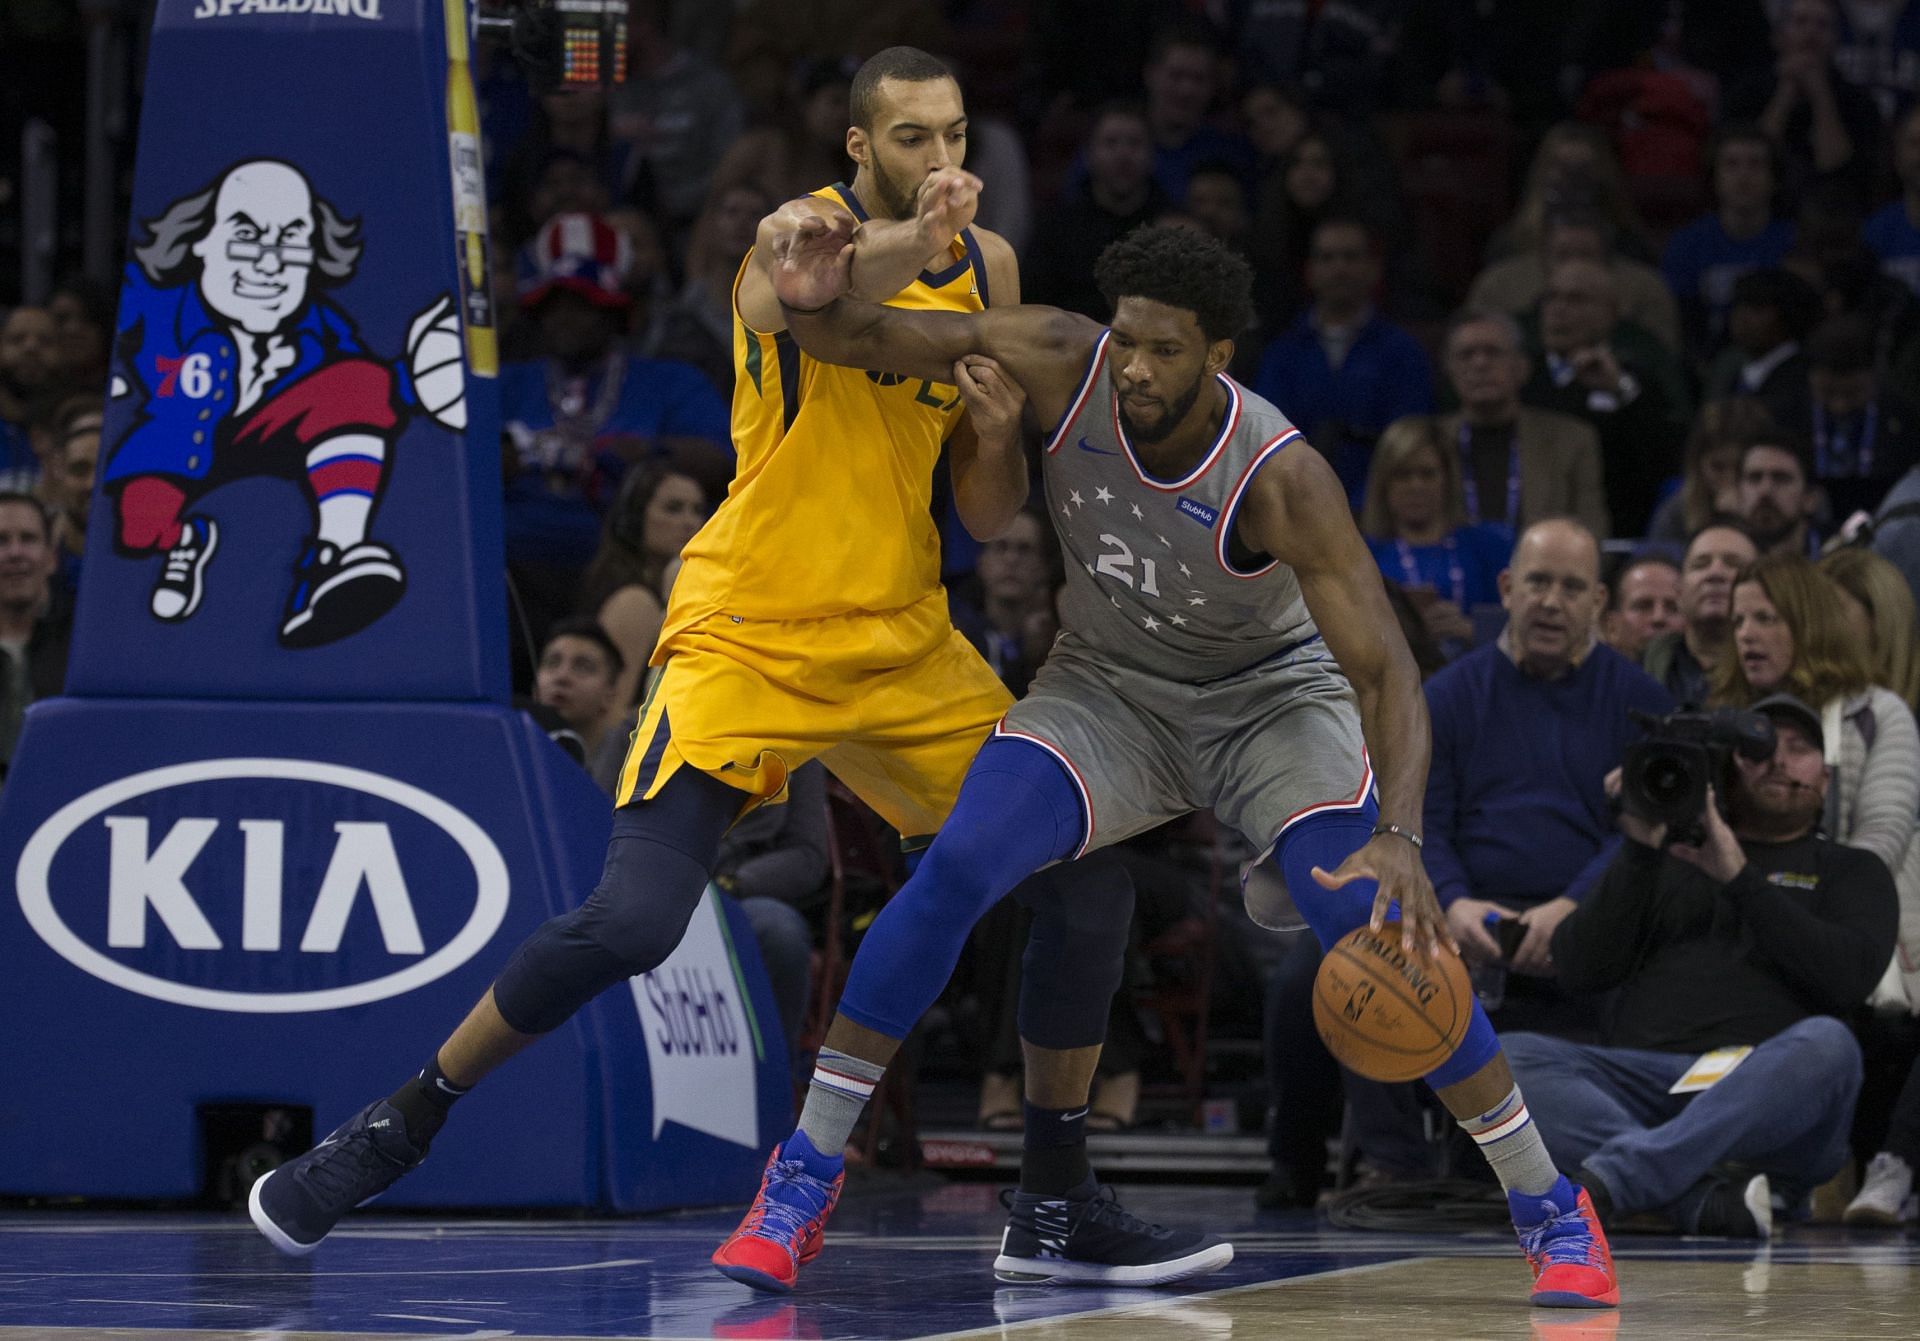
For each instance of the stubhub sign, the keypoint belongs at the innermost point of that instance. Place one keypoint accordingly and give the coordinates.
(262, 885)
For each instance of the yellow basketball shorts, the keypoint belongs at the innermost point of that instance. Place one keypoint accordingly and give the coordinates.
(894, 705)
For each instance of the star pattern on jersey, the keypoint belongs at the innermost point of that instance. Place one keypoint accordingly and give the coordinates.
(1073, 497)
(1151, 623)
(1196, 600)
(1103, 494)
(1065, 511)
(1163, 540)
(1185, 571)
(1177, 621)
(1137, 512)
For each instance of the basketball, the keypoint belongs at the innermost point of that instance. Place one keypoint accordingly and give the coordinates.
(1387, 1014)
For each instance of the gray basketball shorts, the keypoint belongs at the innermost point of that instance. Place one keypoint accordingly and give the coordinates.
(1262, 748)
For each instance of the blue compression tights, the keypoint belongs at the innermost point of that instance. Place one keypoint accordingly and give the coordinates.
(1325, 841)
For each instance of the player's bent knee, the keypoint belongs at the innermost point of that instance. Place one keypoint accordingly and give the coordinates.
(1076, 953)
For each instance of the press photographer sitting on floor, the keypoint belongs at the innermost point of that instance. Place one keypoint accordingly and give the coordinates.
(1740, 940)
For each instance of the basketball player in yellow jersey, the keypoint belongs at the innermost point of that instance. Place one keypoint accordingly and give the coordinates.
(808, 622)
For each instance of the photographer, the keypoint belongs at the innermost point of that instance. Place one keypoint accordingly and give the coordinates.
(1752, 938)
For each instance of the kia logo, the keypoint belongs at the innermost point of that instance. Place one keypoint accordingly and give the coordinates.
(150, 878)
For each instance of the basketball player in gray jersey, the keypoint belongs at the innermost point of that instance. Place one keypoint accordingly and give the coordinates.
(1226, 643)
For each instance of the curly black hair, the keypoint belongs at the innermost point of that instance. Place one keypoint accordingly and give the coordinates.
(1181, 267)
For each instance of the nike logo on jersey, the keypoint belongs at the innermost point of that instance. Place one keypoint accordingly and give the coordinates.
(1086, 446)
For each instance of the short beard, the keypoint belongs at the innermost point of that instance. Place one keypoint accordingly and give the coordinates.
(1772, 535)
(1176, 412)
(898, 203)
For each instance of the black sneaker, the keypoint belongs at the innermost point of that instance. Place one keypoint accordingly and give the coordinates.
(1085, 1238)
(1736, 1207)
(181, 584)
(337, 592)
(297, 1204)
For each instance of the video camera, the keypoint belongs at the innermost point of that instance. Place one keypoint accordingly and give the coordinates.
(1665, 775)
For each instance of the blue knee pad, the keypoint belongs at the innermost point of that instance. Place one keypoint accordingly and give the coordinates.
(1326, 841)
(658, 859)
(1076, 951)
(1017, 811)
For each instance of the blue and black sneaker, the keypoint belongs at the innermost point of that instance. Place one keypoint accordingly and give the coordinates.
(339, 591)
(298, 1204)
(1086, 1238)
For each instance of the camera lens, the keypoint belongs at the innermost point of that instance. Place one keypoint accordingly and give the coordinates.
(1665, 780)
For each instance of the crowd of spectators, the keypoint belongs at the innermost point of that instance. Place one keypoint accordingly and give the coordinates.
(1609, 322)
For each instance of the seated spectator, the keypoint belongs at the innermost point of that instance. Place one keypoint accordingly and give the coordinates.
(1777, 493)
(27, 357)
(1865, 434)
(1827, 129)
(1618, 379)
(624, 591)
(1894, 231)
(1771, 314)
(569, 416)
(671, 121)
(1217, 200)
(1182, 79)
(696, 326)
(1412, 520)
(1517, 825)
(1118, 195)
(83, 320)
(1685, 660)
(565, 164)
(1574, 166)
(66, 485)
(1703, 259)
(1790, 636)
(1643, 602)
(804, 146)
(1013, 623)
(1755, 937)
(1710, 473)
(1574, 234)
(1885, 1199)
(1338, 56)
(575, 679)
(1878, 607)
(36, 616)
(1293, 195)
(1343, 372)
(1518, 464)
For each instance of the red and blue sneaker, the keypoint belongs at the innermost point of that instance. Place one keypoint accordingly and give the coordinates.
(784, 1227)
(1566, 1247)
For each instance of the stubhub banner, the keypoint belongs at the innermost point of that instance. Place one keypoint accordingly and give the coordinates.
(285, 829)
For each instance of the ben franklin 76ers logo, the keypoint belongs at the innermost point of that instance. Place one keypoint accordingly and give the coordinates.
(238, 366)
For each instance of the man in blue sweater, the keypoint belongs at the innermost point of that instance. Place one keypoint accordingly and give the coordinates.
(1342, 372)
(1525, 731)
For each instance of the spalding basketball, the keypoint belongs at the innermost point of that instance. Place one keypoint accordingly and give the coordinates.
(1387, 1014)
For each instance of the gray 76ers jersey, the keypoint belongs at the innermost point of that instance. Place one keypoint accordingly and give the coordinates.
(1151, 579)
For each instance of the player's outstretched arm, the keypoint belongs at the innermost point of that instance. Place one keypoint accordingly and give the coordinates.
(1297, 512)
(886, 254)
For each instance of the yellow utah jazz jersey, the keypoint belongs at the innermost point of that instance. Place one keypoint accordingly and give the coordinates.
(828, 512)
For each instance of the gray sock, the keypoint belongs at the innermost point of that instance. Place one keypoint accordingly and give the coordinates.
(1507, 1137)
(840, 1090)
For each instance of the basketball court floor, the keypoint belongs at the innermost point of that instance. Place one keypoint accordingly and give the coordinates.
(904, 1265)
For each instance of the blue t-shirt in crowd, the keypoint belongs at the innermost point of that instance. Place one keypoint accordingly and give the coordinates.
(19, 466)
(1702, 262)
(1515, 810)
(555, 499)
(1894, 239)
(1464, 568)
(1341, 411)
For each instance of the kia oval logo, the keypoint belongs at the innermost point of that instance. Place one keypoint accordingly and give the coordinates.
(265, 887)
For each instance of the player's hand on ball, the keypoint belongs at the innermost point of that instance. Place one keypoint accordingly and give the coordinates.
(994, 400)
(1395, 864)
(436, 359)
(812, 257)
(948, 199)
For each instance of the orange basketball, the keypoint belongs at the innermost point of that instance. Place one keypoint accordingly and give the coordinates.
(1386, 1014)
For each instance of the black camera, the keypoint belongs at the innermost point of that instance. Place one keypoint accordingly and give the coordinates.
(1665, 775)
